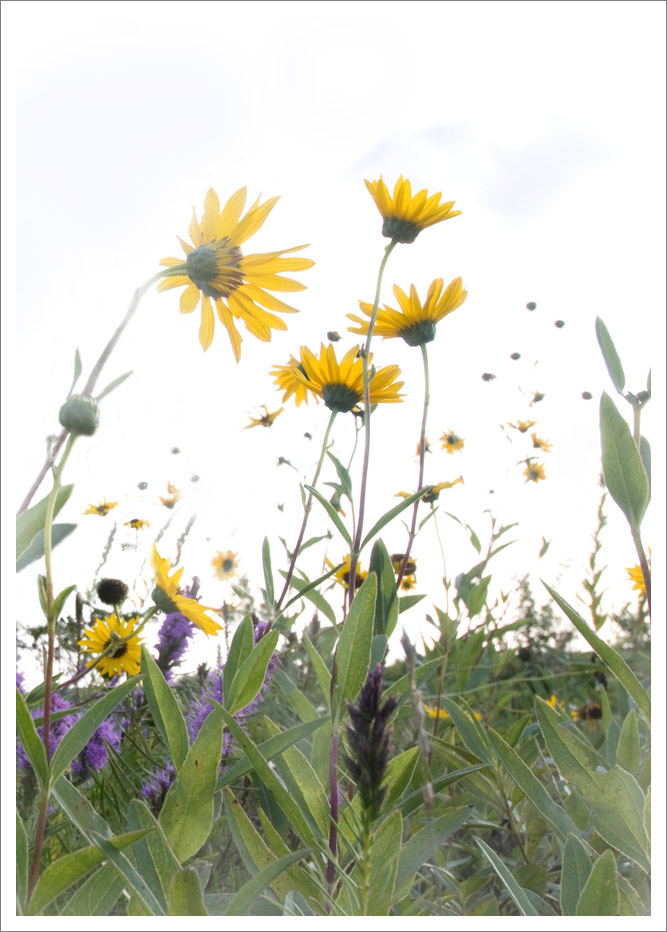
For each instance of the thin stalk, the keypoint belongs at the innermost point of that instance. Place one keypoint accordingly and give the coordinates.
(90, 385)
(643, 562)
(306, 513)
(333, 803)
(356, 546)
(422, 457)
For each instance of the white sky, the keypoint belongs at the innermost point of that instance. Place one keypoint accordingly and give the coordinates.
(544, 121)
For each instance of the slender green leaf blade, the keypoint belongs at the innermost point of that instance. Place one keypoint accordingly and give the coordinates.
(333, 514)
(624, 472)
(391, 514)
(308, 589)
(252, 673)
(516, 891)
(21, 866)
(29, 523)
(185, 894)
(343, 475)
(576, 870)
(600, 894)
(423, 845)
(112, 385)
(246, 896)
(610, 356)
(97, 895)
(353, 652)
(239, 651)
(268, 573)
(386, 606)
(32, 744)
(35, 551)
(165, 710)
(320, 668)
(627, 751)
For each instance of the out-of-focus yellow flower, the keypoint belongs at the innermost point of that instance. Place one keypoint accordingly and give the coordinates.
(342, 575)
(433, 494)
(540, 444)
(341, 385)
(216, 270)
(168, 599)
(413, 322)
(125, 658)
(451, 442)
(173, 495)
(397, 563)
(102, 509)
(137, 524)
(522, 426)
(443, 713)
(225, 564)
(288, 382)
(637, 577)
(406, 216)
(534, 472)
(427, 447)
(265, 420)
(553, 702)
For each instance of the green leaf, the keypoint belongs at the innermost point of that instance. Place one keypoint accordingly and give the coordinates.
(112, 385)
(333, 514)
(545, 546)
(26, 731)
(155, 860)
(600, 894)
(531, 786)
(254, 851)
(320, 668)
(517, 892)
(251, 674)
(185, 894)
(36, 549)
(165, 710)
(303, 707)
(645, 453)
(378, 650)
(415, 800)
(399, 774)
(239, 651)
(384, 858)
(407, 601)
(391, 514)
(97, 895)
(60, 600)
(611, 358)
(268, 574)
(624, 472)
(576, 870)
(29, 523)
(82, 731)
(21, 866)
(246, 896)
(353, 652)
(59, 875)
(386, 606)
(309, 589)
(469, 728)
(343, 475)
(424, 844)
(78, 368)
(187, 814)
(611, 657)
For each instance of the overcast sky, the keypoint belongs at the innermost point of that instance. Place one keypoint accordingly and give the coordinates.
(543, 121)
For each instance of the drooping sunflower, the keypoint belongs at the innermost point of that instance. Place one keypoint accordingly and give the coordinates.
(102, 509)
(173, 495)
(534, 472)
(406, 216)
(169, 600)
(341, 385)
(216, 270)
(287, 381)
(225, 564)
(414, 322)
(451, 442)
(264, 420)
(125, 658)
(540, 444)
(522, 426)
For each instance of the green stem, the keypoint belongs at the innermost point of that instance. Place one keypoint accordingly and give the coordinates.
(422, 457)
(636, 422)
(356, 546)
(90, 385)
(306, 513)
(643, 562)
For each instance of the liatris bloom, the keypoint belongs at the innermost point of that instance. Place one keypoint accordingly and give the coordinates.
(173, 636)
(95, 755)
(217, 270)
(368, 737)
(156, 786)
(406, 216)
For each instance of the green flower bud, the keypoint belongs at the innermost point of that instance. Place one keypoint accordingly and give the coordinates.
(80, 415)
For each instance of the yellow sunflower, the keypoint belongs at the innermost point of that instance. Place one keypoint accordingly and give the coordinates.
(432, 494)
(265, 420)
(216, 270)
(451, 442)
(413, 322)
(397, 563)
(126, 658)
(102, 509)
(534, 472)
(406, 216)
(287, 381)
(540, 444)
(224, 564)
(408, 583)
(341, 385)
(173, 495)
(637, 577)
(137, 524)
(427, 448)
(522, 426)
(342, 575)
(168, 599)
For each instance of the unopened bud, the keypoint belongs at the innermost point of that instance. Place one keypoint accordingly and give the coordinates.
(80, 415)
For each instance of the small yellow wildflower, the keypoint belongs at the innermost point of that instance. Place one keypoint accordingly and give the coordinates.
(406, 216)
(287, 381)
(522, 426)
(433, 493)
(173, 495)
(534, 472)
(265, 420)
(637, 577)
(225, 564)
(451, 442)
(427, 447)
(126, 658)
(102, 509)
(137, 524)
(341, 384)
(342, 575)
(540, 444)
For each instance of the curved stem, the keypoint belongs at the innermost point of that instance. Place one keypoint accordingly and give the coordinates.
(89, 386)
(422, 457)
(643, 562)
(306, 513)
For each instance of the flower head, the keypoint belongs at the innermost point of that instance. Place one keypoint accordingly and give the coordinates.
(290, 383)
(427, 448)
(137, 524)
(341, 385)
(534, 472)
(637, 577)
(451, 442)
(265, 420)
(413, 322)
(225, 564)
(432, 494)
(168, 599)
(342, 575)
(540, 444)
(125, 657)
(102, 509)
(217, 271)
(173, 495)
(397, 563)
(406, 216)
(522, 426)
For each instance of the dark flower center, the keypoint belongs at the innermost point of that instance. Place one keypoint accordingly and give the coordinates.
(118, 652)
(216, 268)
(228, 565)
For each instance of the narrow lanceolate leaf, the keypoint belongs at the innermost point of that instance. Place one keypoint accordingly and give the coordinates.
(82, 731)
(353, 652)
(624, 472)
(645, 453)
(320, 668)
(611, 657)
(333, 514)
(185, 894)
(469, 728)
(268, 573)
(421, 847)
(187, 813)
(308, 589)
(60, 600)
(165, 710)
(611, 358)
(78, 368)
(576, 871)
(155, 860)
(251, 674)
(29, 523)
(243, 900)
(97, 895)
(32, 744)
(35, 551)
(112, 385)
(525, 779)
(386, 607)
(239, 651)
(384, 858)
(391, 514)
(627, 749)
(21, 866)
(600, 894)
(516, 891)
